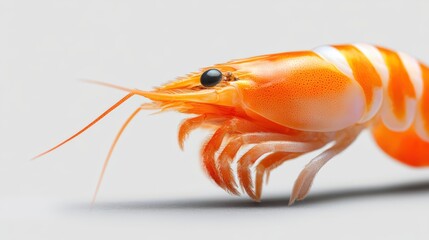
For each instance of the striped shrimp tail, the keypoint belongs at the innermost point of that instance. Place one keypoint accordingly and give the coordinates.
(402, 131)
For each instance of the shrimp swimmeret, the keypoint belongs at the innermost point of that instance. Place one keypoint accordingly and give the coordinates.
(287, 104)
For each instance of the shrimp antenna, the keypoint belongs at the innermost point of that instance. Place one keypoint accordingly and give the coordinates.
(122, 100)
(107, 85)
(112, 147)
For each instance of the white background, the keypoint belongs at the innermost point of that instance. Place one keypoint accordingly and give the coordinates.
(153, 190)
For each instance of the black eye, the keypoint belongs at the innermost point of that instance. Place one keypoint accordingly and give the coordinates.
(211, 77)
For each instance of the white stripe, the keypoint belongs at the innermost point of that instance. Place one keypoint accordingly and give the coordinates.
(390, 119)
(377, 100)
(414, 72)
(387, 115)
(335, 57)
(377, 60)
(420, 127)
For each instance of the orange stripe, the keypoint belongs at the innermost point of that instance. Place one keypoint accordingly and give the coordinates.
(400, 85)
(363, 71)
(424, 107)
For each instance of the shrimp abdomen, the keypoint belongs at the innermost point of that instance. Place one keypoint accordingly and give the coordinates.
(403, 130)
(406, 147)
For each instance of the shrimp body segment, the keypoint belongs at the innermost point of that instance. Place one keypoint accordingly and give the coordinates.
(285, 105)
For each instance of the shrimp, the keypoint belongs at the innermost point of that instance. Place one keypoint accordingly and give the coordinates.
(282, 106)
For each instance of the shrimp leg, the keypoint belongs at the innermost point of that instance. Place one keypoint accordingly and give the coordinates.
(209, 150)
(251, 156)
(228, 154)
(190, 124)
(305, 179)
(266, 165)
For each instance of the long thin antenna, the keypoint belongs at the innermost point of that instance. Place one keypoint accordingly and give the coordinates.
(107, 85)
(122, 100)
(112, 147)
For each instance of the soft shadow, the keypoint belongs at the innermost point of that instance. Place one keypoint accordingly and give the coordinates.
(267, 202)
